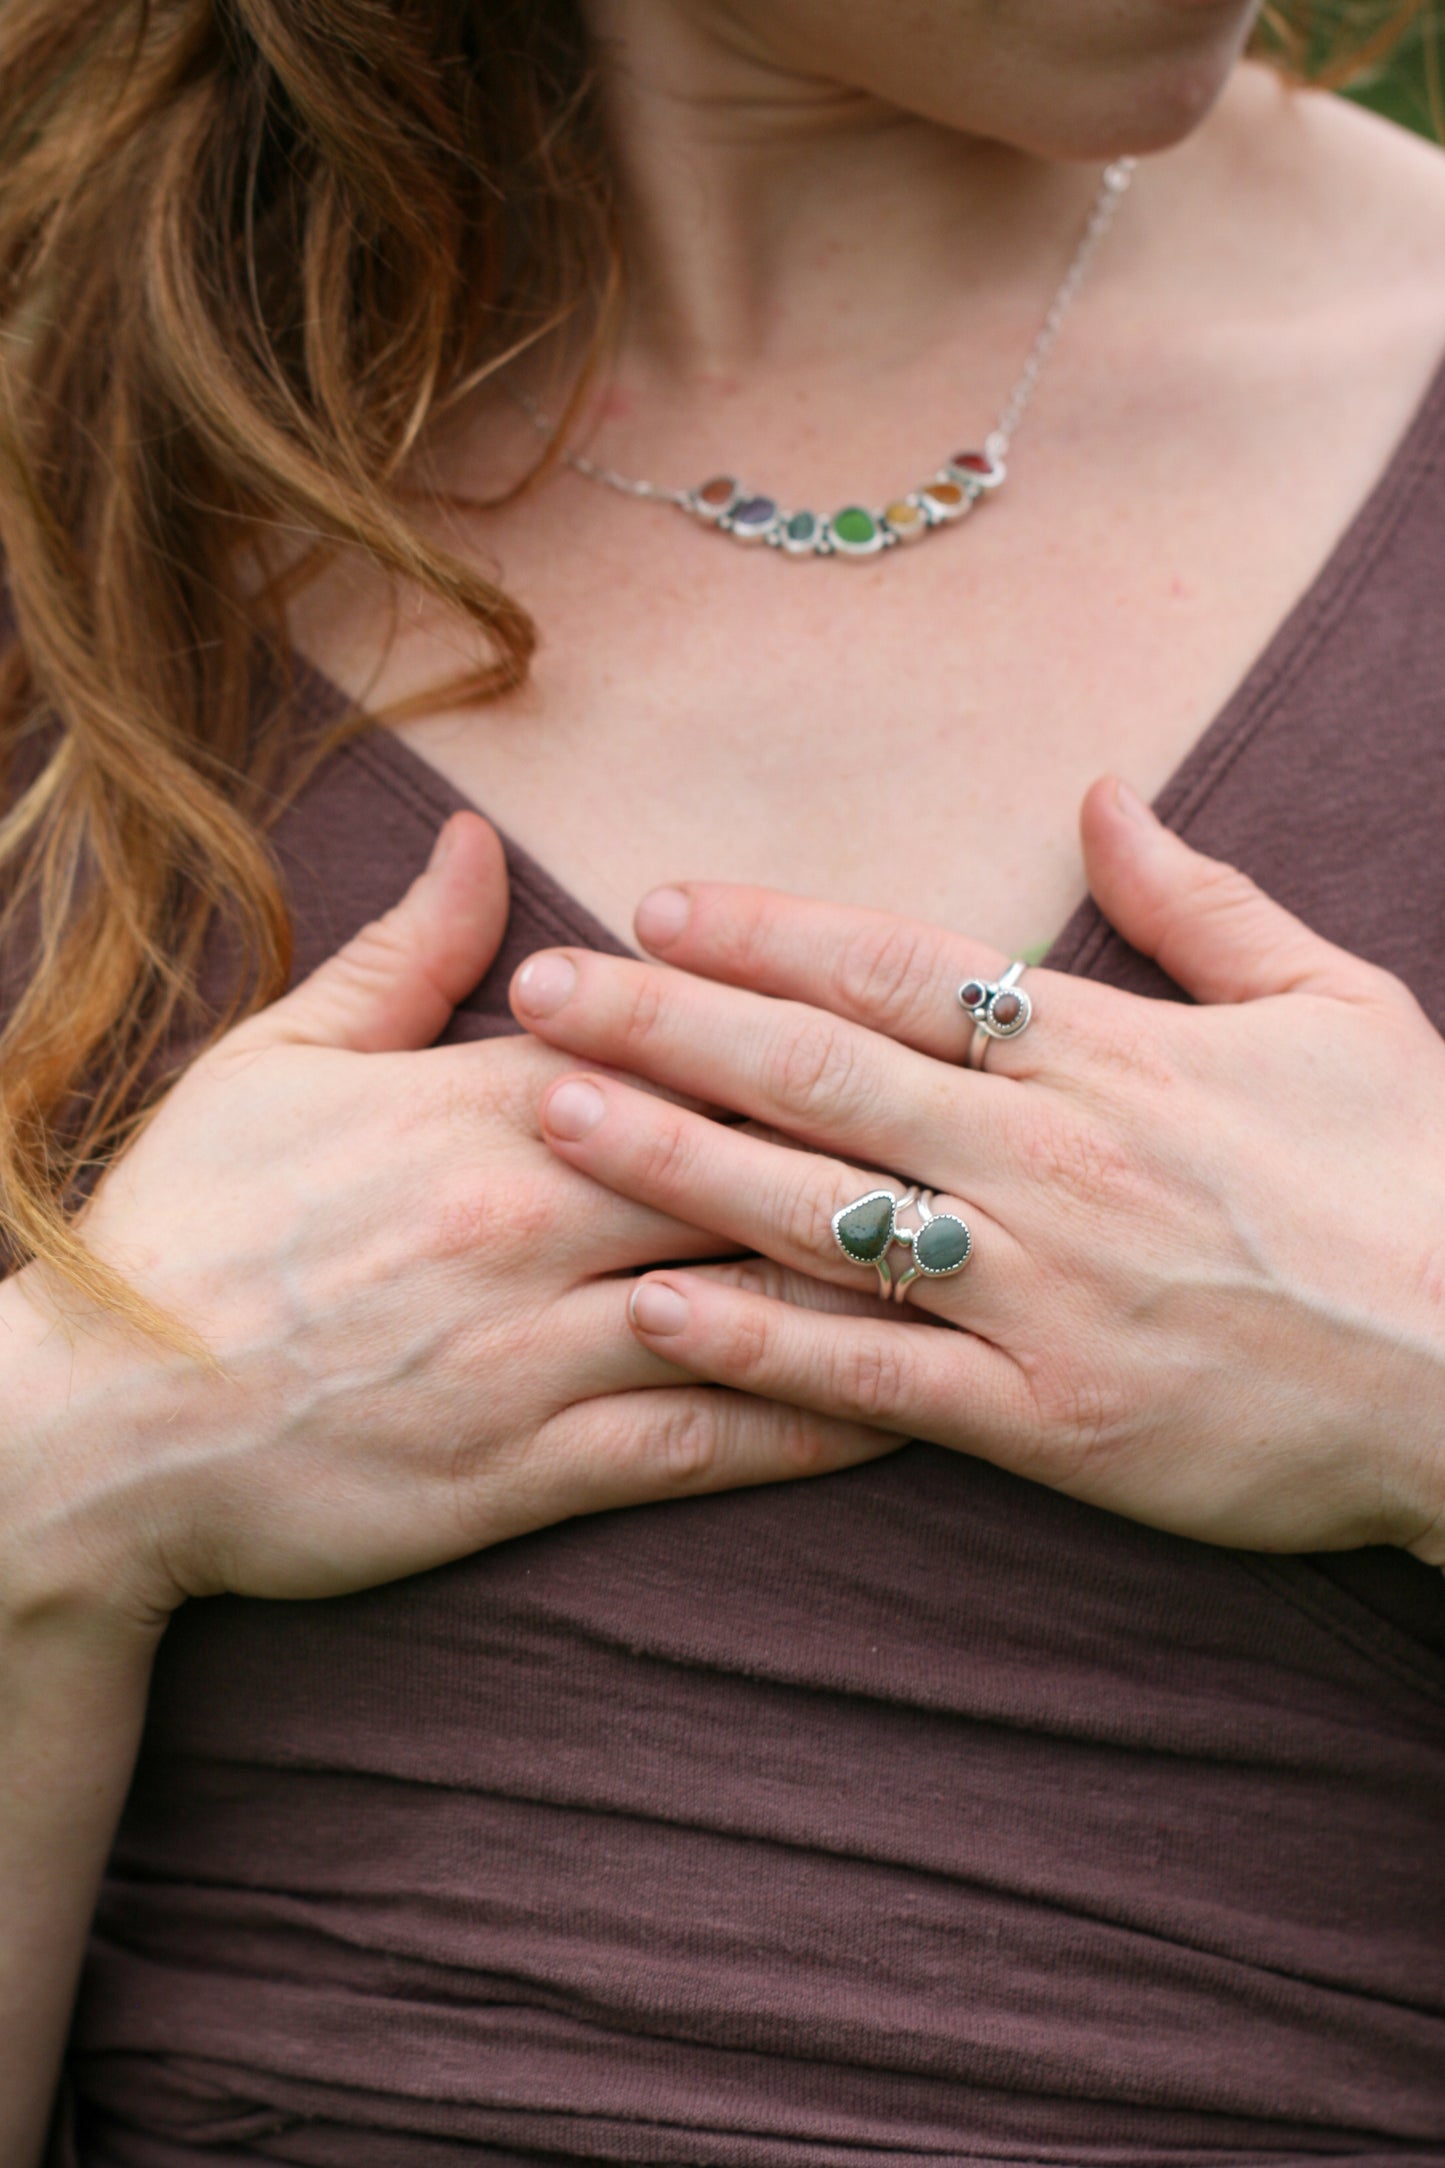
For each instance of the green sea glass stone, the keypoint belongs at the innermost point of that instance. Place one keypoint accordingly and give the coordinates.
(943, 1245)
(803, 527)
(865, 1230)
(854, 526)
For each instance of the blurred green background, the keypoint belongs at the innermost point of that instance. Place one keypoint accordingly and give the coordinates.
(1409, 87)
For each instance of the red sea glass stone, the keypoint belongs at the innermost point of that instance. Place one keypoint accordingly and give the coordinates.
(972, 462)
(1006, 1009)
(971, 994)
(719, 491)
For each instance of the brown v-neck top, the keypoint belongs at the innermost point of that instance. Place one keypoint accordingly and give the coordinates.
(912, 1814)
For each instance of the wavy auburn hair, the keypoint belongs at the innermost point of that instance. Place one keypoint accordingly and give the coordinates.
(249, 251)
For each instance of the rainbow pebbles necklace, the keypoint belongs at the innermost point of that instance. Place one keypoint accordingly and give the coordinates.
(858, 530)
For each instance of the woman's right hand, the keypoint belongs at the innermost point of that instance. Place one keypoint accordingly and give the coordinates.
(420, 1313)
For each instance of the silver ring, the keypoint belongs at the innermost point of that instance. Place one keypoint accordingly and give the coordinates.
(865, 1230)
(999, 1008)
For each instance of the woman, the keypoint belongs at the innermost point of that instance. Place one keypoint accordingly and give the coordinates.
(1066, 1785)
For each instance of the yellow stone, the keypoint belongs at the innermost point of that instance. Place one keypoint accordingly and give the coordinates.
(905, 519)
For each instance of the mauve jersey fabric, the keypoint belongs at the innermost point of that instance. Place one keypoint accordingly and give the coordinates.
(915, 1814)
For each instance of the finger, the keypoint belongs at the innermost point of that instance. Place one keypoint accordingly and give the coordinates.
(896, 975)
(594, 1322)
(761, 1276)
(820, 1078)
(770, 1198)
(887, 1373)
(636, 1448)
(396, 982)
(1204, 922)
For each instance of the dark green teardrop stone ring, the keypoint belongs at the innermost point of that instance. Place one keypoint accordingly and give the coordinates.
(867, 1229)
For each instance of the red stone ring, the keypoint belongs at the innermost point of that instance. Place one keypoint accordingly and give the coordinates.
(1000, 1009)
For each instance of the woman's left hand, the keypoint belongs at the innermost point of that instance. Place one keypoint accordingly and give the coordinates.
(1208, 1281)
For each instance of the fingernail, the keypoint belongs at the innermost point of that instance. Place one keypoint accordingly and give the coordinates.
(661, 916)
(659, 1308)
(1132, 805)
(574, 1110)
(544, 983)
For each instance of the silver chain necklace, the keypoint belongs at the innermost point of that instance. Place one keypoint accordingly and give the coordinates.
(858, 530)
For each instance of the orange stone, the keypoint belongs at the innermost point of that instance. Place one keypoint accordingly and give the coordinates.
(719, 491)
(947, 498)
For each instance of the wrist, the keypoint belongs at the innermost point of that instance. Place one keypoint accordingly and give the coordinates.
(1424, 1425)
(77, 1408)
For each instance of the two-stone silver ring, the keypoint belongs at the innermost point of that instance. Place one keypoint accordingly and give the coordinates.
(867, 1229)
(1000, 1009)
(940, 1245)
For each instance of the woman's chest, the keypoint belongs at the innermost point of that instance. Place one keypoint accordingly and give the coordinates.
(912, 731)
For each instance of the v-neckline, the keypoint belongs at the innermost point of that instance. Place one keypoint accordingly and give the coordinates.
(1083, 943)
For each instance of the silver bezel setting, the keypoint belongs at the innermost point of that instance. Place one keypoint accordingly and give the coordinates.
(714, 514)
(943, 1272)
(752, 531)
(870, 548)
(943, 515)
(1021, 1022)
(878, 1264)
(916, 529)
(975, 483)
(793, 547)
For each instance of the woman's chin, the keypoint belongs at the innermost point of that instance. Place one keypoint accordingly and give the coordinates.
(1131, 114)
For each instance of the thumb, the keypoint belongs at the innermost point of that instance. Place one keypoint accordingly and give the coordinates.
(1205, 923)
(396, 982)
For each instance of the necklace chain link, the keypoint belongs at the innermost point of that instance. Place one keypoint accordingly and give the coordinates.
(748, 517)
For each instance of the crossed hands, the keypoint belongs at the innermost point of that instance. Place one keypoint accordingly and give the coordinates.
(456, 1292)
(1207, 1287)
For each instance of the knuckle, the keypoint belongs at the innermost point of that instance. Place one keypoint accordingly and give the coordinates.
(686, 1443)
(646, 1006)
(748, 941)
(869, 1377)
(882, 970)
(748, 1341)
(811, 1067)
(804, 1218)
(1084, 1420)
(372, 953)
(760, 1276)
(666, 1155)
(802, 1443)
(1217, 888)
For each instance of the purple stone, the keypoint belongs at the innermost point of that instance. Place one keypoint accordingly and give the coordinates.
(755, 512)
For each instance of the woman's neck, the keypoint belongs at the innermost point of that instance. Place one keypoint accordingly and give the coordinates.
(771, 217)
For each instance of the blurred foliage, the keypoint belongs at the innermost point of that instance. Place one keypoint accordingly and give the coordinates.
(1410, 86)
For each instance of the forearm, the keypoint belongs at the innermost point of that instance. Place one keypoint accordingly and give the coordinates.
(71, 1705)
(74, 1670)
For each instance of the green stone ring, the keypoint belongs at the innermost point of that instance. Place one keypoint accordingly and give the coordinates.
(868, 1228)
